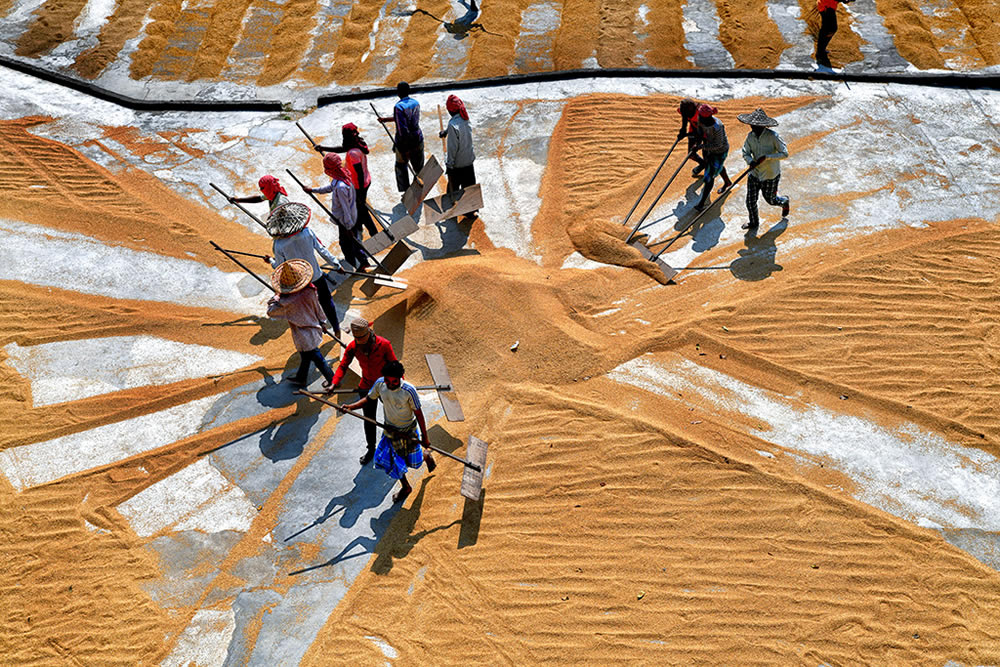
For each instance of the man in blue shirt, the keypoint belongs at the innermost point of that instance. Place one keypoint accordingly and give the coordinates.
(409, 139)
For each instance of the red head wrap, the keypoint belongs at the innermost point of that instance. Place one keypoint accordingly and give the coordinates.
(270, 187)
(334, 168)
(352, 137)
(453, 104)
(705, 111)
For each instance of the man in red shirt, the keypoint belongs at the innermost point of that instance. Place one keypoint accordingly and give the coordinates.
(827, 29)
(373, 353)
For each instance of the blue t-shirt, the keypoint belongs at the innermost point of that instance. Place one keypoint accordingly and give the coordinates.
(407, 115)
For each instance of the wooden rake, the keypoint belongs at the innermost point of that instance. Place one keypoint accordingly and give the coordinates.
(669, 271)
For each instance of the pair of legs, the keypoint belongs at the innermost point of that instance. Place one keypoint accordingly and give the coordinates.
(396, 463)
(769, 189)
(370, 410)
(350, 243)
(715, 165)
(313, 356)
(412, 154)
(326, 302)
(827, 29)
(699, 163)
(461, 177)
(364, 215)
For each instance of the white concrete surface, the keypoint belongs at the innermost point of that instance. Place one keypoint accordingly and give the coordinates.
(196, 498)
(71, 370)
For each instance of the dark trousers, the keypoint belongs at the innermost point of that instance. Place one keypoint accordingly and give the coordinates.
(364, 215)
(769, 189)
(692, 142)
(349, 245)
(326, 302)
(370, 410)
(827, 29)
(412, 154)
(461, 177)
(312, 357)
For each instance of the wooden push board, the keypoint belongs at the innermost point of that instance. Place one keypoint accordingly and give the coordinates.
(397, 231)
(452, 408)
(668, 270)
(472, 480)
(453, 204)
(422, 184)
(391, 264)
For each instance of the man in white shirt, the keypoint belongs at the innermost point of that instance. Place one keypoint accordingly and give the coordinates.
(400, 446)
(762, 151)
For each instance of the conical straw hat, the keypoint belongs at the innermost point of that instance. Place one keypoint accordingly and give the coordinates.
(758, 118)
(291, 276)
(287, 219)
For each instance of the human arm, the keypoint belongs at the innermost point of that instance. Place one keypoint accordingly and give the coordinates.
(276, 308)
(419, 414)
(345, 361)
(321, 249)
(252, 199)
(320, 191)
(779, 151)
(452, 148)
(322, 148)
(360, 403)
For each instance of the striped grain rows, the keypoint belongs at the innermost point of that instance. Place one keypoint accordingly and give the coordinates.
(346, 43)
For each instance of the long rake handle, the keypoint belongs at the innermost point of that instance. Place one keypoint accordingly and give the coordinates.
(303, 130)
(330, 213)
(657, 200)
(653, 178)
(238, 205)
(391, 138)
(242, 266)
(340, 408)
(698, 217)
(245, 254)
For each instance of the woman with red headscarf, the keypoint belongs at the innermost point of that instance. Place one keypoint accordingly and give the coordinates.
(714, 149)
(459, 160)
(270, 191)
(343, 209)
(356, 160)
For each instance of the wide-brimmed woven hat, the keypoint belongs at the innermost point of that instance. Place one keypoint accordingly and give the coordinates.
(758, 118)
(291, 276)
(288, 219)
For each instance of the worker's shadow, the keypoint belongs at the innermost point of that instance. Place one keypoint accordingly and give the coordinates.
(370, 488)
(267, 328)
(286, 438)
(454, 235)
(705, 229)
(391, 537)
(756, 258)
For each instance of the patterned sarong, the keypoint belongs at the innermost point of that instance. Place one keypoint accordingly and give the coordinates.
(397, 451)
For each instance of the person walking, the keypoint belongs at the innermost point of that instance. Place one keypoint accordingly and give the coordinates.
(827, 29)
(762, 151)
(292, 239)
(401, 444)
(688, 109)
(295, 301)
(343, 209)
(715, 148)
(460, 155)
(356, 162)
(271, 191)
(409, 140)
(373, 353)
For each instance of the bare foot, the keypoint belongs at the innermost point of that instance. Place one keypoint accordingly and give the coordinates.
(431, 463)
(401, 495)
